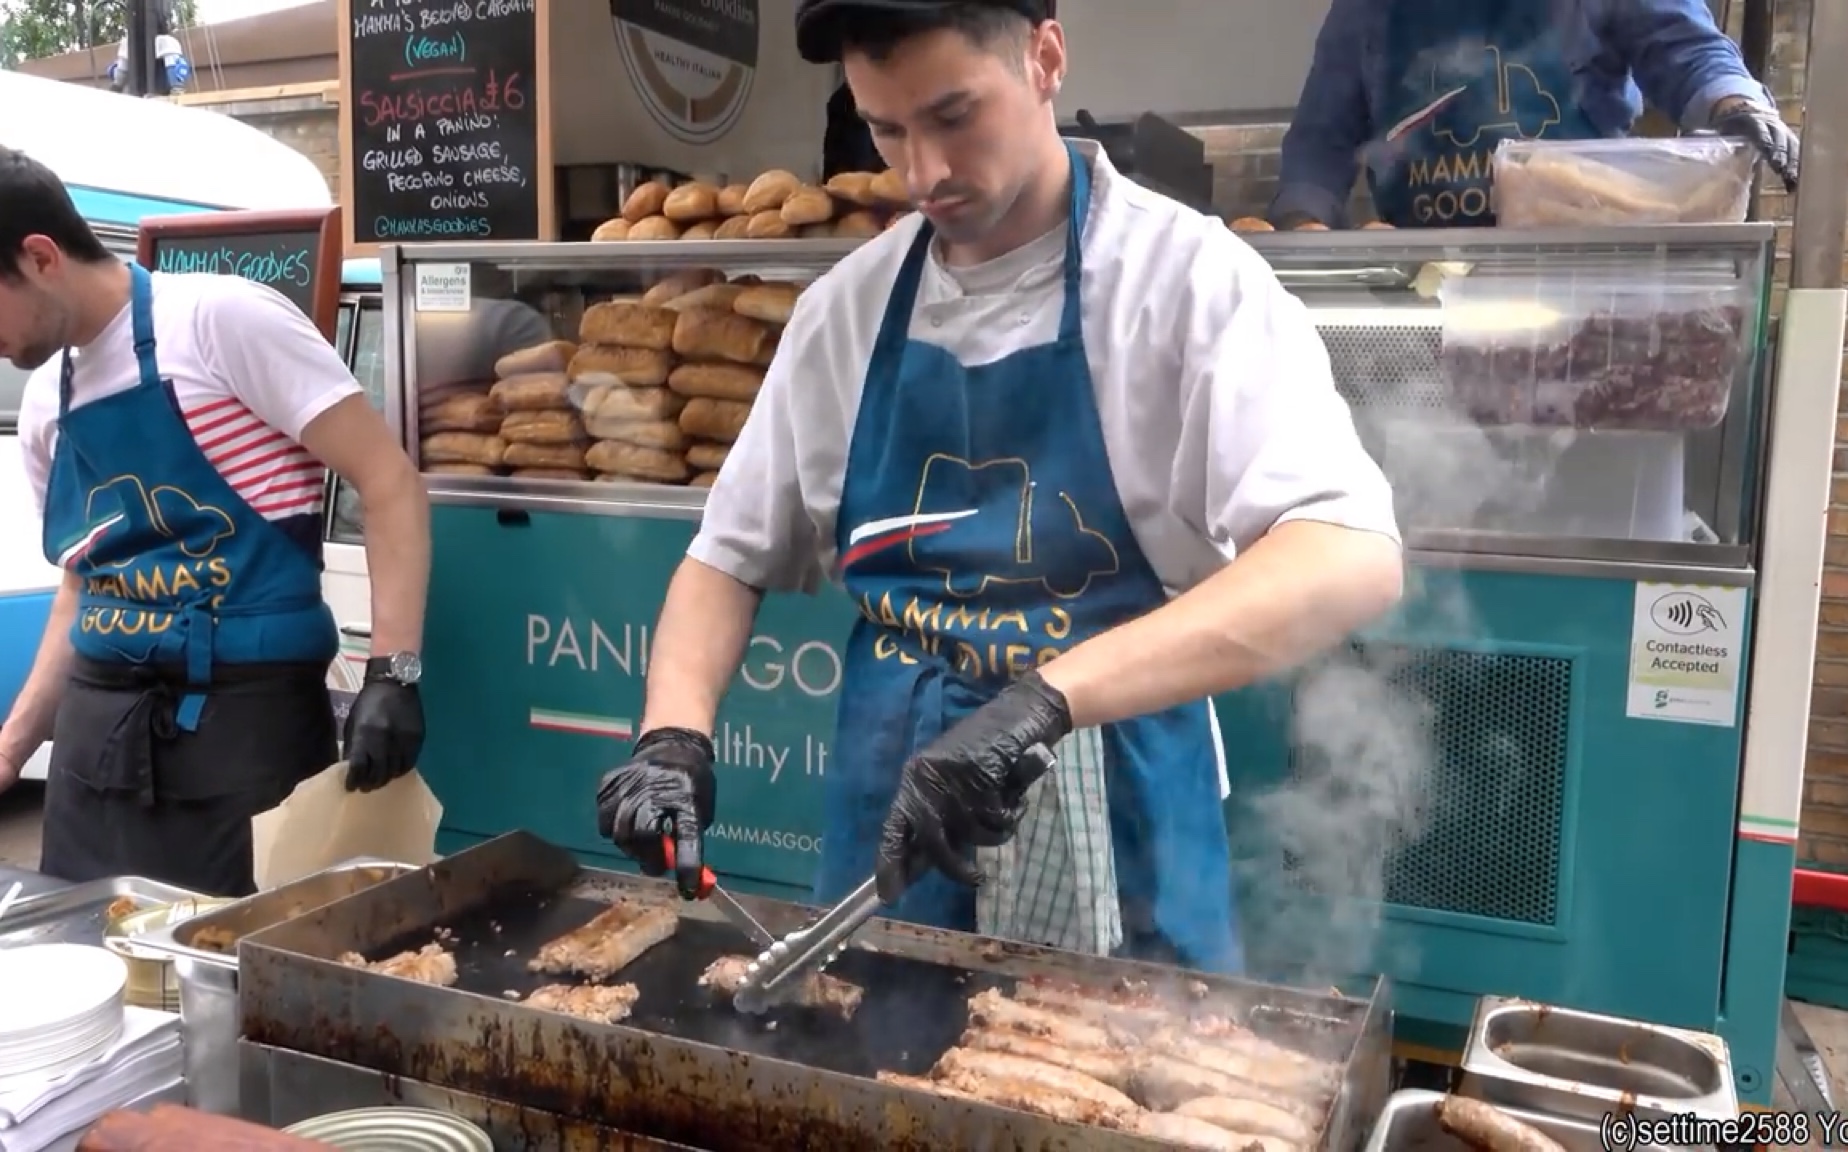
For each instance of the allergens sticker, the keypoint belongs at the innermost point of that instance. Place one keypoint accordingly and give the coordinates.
(1686, 651)
(442, 287)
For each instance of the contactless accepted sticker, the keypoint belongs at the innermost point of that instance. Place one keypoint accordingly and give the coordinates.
(442, 287)
(1686, 643)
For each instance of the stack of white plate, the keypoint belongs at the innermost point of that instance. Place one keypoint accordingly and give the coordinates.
(61, 1008)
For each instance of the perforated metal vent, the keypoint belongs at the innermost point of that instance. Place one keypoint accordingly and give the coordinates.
(1388, 366)
(1497, 728)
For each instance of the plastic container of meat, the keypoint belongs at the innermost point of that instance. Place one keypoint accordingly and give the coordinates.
(1637, 180)
(1556, 348)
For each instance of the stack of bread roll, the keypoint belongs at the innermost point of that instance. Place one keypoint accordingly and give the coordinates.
(776, 206)
(460, 429)
(541, 429)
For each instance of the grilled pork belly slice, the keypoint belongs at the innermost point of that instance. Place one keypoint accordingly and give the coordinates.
(431, 964)
(990, 1009)
(1117, 1069)
(598, 1003)
(1127, 1005)
(1186, 1132)
(1257, 1117)
(612, 941)
(1033, 1086)
(818, 990)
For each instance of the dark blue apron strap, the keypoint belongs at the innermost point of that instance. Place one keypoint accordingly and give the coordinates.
(64, 386)
(1071, 317)
(201, 635)
(895, 326)
(141, 310)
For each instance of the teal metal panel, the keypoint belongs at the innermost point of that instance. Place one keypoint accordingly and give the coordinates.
(1758, 941)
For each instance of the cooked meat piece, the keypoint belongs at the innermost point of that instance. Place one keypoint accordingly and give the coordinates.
(1243, 1114)
(598, 1003)
(922, 1084)
(818, 990)
(1247, 1058)
(1020, 1095)
(1226, 1032)
(1127, 1005)
(1186, 1132)
(993, 1010)
(1016, 1082)
(1488, 1128)
(431, 964)
(1167, 1081)
(609, 943)
(215, 938)
(1117, 1069)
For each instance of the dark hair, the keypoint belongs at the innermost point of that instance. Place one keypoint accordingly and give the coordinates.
(876, 33)
(34, 202)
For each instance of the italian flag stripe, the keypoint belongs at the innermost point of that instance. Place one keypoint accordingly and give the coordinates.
(581, 723)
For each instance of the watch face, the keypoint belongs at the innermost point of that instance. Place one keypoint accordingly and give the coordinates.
(406, 667)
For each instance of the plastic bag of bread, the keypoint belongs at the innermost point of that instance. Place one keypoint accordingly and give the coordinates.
(1601, 183)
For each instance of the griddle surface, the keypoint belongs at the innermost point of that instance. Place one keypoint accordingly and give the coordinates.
(911, 1012)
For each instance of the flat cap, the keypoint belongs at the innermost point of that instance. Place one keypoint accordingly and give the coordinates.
(818, 35)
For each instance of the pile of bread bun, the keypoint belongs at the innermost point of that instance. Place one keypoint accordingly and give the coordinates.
(776, 206)
(522, 425)
(1254, 224)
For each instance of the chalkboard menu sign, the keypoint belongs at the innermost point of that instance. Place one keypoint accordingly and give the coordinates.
(442, 109)
(296, 253)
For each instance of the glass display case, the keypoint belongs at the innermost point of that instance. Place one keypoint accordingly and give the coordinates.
(1579, 396)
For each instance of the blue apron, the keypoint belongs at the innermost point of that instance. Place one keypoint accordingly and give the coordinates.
(981, 534)
(200, 627)
(1461, 78)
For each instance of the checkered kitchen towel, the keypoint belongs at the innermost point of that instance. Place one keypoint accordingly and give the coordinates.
(1055, 882)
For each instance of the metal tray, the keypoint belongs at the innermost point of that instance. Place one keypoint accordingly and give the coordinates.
(1409, 1124)
(79, 914)
(1564, 1062)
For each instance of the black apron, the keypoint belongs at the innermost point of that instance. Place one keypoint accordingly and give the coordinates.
(132, 794)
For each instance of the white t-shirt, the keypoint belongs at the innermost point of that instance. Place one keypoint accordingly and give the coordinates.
(1219, 411)
(249, 372)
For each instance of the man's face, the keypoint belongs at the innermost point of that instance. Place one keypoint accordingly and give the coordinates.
(957, 120)
(33, 320)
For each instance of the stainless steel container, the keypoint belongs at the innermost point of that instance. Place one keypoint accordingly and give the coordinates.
(1566, 1063)
(379, 1129)
(1408, 1123)
(204, 952)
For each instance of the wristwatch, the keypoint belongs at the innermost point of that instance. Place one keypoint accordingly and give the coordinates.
(402, 667)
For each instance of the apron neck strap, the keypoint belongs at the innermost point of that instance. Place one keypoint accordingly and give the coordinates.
(141, 314)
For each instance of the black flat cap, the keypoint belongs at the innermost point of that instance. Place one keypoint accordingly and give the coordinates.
(818, 36)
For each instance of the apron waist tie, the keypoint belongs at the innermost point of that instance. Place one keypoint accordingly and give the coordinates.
(201, 634)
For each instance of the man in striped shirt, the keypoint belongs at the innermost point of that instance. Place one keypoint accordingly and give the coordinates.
(176, 432)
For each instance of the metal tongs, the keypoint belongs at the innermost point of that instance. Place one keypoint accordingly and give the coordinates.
(780, 970)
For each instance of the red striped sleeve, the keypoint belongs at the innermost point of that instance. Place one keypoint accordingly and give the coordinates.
(276, 476)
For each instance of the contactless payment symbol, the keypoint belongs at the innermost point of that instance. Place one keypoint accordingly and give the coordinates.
(692, 62)
(1686, 614)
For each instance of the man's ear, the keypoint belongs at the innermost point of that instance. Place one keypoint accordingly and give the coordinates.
(1046, 58)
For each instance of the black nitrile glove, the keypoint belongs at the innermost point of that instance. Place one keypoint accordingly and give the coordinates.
(384, 734)
(962, 790)
(667, 789)
(1766, 131)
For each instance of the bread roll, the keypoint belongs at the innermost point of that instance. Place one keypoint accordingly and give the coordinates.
(704, 230)
(731, 200)
(619, 403)
(767, 192)
(717, 381)
(859, 225)
(720, 336)
(1311, 226)
(708, 456)
(469, 412)
(644, 202)
(889, 188)
(772, 303)
(642, 367)
(807, 205)
(552, 356)
(430, 396)
(853, 187)
(1376, 225)
(663, 434)
(560, 427)
(627, 324)
(1249, 224)
(703, 480)
(628, 460)
(548, 474)
(737, 228)
(655, 228)
(458, 469)
(617, 229)
(767, 225)
(464, 448)
(679, 284)
(544, 456)
(532, 391)
(816, 231)
(691, 203)
(719, 420)
(714, 297)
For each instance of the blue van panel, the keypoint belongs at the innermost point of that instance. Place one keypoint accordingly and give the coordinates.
(22, 624)
(105, 207)
(362, 272)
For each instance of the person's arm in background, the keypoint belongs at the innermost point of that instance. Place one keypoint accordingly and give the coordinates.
(1321, 151)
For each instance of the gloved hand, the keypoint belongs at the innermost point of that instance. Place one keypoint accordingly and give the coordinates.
(1766, 131)
(960, 791)
(384, 734)
(666, 789)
